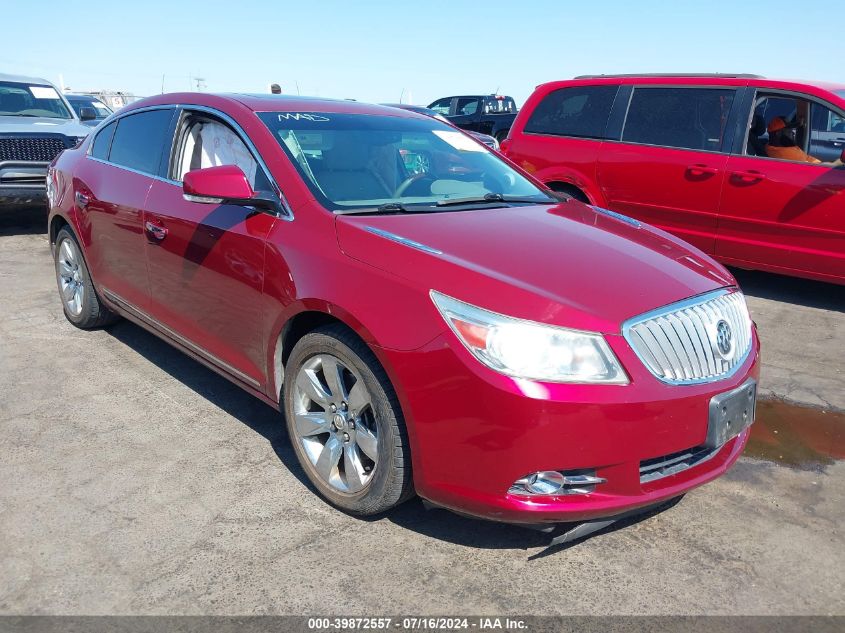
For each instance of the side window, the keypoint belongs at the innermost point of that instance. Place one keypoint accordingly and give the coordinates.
(467, 106)
(210, 143)
(102, 142)
(139, 140)
(686, 118)
(441, 106)
(766, 109)
(580, 111)
(827, 133)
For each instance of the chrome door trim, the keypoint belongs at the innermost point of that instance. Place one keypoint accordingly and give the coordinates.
(208, 356)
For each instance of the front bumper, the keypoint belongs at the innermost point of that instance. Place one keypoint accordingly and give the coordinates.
(23, 183)
(474, 432)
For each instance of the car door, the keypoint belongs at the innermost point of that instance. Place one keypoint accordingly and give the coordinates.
(467, 113)
(668, 167)
(111, 189)
(206, 261)
(784, 215)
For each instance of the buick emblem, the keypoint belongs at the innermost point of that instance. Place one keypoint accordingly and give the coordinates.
(724, 339)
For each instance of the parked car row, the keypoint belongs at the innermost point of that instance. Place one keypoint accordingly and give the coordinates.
(428, 316)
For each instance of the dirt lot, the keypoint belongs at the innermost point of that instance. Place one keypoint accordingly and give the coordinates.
(134, 480)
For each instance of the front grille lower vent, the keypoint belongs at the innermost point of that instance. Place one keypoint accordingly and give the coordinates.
(41, 149)
(701, 339)
(659, 467)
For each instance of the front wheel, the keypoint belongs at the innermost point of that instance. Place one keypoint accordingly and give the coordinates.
(345, 424)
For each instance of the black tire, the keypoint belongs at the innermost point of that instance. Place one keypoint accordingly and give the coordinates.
(571, 190)
(502, 135)
(93, 313)
(390, 483)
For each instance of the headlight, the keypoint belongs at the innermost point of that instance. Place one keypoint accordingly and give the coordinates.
(525, 349)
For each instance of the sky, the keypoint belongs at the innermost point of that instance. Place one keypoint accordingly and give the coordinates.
(415, 52)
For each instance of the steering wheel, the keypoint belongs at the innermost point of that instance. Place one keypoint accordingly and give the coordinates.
(410, 180)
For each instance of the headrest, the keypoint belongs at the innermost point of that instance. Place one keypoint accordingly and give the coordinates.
(349, 153)
(758, 125)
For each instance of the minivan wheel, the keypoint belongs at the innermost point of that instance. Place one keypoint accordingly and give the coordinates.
(570, 190)
(80, 302)
(345, 423)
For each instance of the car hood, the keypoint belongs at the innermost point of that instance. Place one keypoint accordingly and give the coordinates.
(42, 125)
(567, 264)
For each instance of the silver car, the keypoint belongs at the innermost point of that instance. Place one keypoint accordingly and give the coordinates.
(36, 124)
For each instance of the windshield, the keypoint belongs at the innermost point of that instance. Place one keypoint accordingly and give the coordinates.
(20, 99)
(77, 103)
(355, 160)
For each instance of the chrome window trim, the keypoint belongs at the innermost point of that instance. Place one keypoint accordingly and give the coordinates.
(673, 307)
(287, 212)
(404, 240)
(131, 170)
(208, 356)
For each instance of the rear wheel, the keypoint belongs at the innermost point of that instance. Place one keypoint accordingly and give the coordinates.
(345, 423)
(80, 302)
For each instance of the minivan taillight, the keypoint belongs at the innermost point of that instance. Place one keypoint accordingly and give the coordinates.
(504, 145)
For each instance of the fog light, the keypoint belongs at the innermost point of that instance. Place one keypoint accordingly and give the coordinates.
(547, 482)
(552, 482)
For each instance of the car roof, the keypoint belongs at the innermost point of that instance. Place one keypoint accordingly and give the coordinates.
(699, 79)
(25, 80)
(273, 103)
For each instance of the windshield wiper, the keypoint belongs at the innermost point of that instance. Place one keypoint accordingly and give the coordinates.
(490, 197)
(390, 207)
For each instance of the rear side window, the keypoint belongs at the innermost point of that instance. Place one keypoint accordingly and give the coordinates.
(580, 111)
(467, 106)
(102, 142)
(686, 118)
(139, 140)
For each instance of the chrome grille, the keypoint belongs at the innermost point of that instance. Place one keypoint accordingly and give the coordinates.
(41, 149)
(680, 343)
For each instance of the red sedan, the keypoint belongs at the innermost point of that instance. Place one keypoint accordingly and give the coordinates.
(427, 317)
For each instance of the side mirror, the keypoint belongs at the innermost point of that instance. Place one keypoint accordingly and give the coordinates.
(87, 113)
(226, 184)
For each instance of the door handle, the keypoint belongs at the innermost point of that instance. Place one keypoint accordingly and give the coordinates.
(82, 200)
(701, 170)
(748, 176)
(155, 231)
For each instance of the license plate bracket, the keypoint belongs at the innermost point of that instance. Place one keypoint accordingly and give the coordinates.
(731, 413)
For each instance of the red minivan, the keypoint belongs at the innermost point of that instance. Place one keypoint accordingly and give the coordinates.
(692, 154)
(426, 317)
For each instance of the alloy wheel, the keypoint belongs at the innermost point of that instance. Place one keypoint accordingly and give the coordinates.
(71, 281)
(335, 423)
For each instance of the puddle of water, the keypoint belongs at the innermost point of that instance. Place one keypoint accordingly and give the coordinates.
(796, 436)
